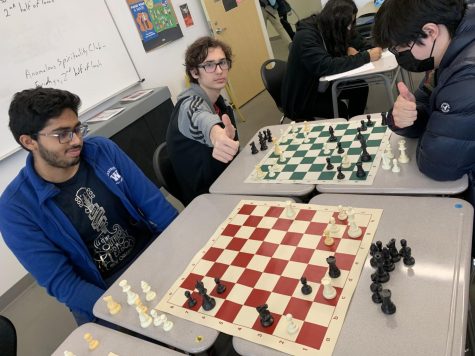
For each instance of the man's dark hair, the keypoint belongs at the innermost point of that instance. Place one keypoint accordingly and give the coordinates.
(400, 22)
(333, 22)
(30, 109)
(197, 52)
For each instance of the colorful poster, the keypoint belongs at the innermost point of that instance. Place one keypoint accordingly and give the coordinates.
(156, 22)
(185, 12)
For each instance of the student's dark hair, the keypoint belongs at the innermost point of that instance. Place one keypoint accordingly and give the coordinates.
(30, 109)
(400, 22)
(197, 52)
(333, 22)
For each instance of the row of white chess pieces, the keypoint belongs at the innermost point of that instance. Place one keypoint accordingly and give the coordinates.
(387, 157)
(133, 299)
(92, 345)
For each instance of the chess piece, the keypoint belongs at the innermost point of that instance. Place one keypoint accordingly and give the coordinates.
(340, 148)
(360, 173)
(388, 263)
(358, 136)
(289, 209)
(259, 172)
(68, 353)
(333, 271)
(389, 151)
(91, 342)
(145, 319)
(305, 137)
(342, 216)
(386, 161)
(292, 127)
(220, 288)
(354, 231)
(329, 292)
(340, 174)
(254, 149)
(329, 164)
(292, 327)
(391, 245)
(403, 247)
(376, 288)
(334, 228)
(387, 306)
(157, 321)
(282, 158)
(372, 250)
(345, 161)
(326, 149)
(262, 142)
(283, 136)
(112, 305)
(395, 168)
(363, 125)
(191, 302)
(306, 288)
(332, 138)
(269, 136)
(380, 276)
(369, 123)
(407, 258)
(208, 302)
(306, 128)
(271, 171)
(277, 149)
(327, 239)
(167, 324)
(131, 296)
(403, 158)
(149, 293)
(384, 121)
(265, 315)
(365, 156)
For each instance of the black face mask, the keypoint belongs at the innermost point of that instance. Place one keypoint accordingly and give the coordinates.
(407, 61)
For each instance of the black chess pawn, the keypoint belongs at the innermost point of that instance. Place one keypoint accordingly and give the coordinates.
(387, 305)
(263, 143)
(265, 315)
(372, 250)
(384, 121)
(269, 135)
(306, 288)
(340, 174)
(360, 173)
(220, 288)
(369, 123)
(329, 164)
(403, 247)
(391, 245)
(379, 244)
(358, 135)
(363, 125)
(332, 138)
(340, 149)
(191, 301)
(380, 276)
(407, 258)
(365, 156)
(334, 271)
(376, 288)
(254, 149)
(388, 263)
(260, 137)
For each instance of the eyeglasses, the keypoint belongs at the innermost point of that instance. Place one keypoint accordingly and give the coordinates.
(394, 51)
(210, 67)
(66, 136)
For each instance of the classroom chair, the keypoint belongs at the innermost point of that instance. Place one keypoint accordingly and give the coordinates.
(8, 339)
(272, 74)
(164, 171)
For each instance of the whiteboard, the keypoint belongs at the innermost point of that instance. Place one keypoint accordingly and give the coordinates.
(65, 44)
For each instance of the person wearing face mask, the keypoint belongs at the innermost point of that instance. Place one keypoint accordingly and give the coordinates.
(324, 45)
(437, 37)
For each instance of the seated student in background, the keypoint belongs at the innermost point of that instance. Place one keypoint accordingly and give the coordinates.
(321, 47)
(201, 136)
(436, 37)
(80, 211)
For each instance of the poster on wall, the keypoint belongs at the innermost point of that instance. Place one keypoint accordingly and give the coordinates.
(185, 12)
(156, 22)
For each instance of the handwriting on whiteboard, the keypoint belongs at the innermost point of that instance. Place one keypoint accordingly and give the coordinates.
(11, 8)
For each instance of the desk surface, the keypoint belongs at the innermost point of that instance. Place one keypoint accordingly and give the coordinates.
(109, 341)
(409, 181)
(231, 181)
(431, 297)
(165, 260)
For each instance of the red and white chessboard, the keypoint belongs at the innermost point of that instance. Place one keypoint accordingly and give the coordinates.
(260, 254)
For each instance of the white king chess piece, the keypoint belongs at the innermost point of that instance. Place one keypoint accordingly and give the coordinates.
(403, 158)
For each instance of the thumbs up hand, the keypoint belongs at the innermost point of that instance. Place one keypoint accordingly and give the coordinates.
(225, 148)
(404, 110)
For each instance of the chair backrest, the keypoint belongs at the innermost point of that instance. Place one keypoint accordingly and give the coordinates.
(272, 73)
(164, 171)
(8, 340)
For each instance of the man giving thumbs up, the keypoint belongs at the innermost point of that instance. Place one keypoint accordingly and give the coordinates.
(202, 138)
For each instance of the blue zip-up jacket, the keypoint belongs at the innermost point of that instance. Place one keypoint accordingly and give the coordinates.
(47, 244)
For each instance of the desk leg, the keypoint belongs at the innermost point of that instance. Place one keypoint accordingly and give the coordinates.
(335, 99)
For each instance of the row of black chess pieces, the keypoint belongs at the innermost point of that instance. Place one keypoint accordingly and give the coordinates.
(208, 302)
(384, 259)
(263, 137)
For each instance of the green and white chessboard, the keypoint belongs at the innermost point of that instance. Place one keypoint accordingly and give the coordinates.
(305, 162)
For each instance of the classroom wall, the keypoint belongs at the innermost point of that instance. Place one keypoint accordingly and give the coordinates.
(159, 67)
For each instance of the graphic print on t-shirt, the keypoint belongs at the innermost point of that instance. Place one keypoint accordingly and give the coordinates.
(113, 244)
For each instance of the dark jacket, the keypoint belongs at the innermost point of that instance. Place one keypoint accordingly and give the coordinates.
(445, 121)
(188, 143)
(308, 61)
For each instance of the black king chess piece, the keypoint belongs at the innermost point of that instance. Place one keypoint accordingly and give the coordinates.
(208, 302)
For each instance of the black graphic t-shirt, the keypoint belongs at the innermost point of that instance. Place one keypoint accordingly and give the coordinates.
(111, 235)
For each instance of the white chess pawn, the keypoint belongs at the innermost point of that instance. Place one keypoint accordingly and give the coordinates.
(112, 305)
(167, 324)
(354, 231)
(326, 149)
(306, 128)
(292, 327)
(271, 171)
(345, 161)
(386, 161)
(396, 168)
(92, 343)
(292, 127)
(145, 319)
(282, 158)
(329, 292)
(259, 172)
(403, 158)
(149, 293)
(283, 137)
(289, 209)
(334, 228)
(131, 296)
(69, 353)
(389, 151)
(277, 149)
(156, 319)
(342, 213)
(305, 137)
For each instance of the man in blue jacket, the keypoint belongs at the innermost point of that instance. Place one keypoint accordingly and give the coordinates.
(436, 37)
(80, 211)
